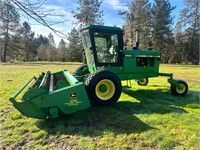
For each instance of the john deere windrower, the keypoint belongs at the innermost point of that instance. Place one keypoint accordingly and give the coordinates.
(96, 83)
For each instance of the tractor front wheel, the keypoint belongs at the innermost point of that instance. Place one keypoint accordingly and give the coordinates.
(179, 91)
(143, 82)
(103, 87)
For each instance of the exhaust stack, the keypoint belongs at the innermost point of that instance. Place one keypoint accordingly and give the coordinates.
(137, 39)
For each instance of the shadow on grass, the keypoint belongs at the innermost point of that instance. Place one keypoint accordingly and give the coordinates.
(119, 118)
(159, 101)
(94, 121)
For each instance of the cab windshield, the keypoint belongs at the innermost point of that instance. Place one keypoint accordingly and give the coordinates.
(106, 45)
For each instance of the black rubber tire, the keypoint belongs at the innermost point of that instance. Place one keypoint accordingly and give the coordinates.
(144, 82)
(105, 78)
(81, 70)
(178, 92)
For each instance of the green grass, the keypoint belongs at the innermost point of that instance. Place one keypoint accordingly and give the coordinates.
(144, 118)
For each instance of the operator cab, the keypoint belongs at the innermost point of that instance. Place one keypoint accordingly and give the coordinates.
(103, 45)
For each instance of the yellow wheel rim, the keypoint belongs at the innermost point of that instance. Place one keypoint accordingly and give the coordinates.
(105, 89)
(182, 89)
(143, 81)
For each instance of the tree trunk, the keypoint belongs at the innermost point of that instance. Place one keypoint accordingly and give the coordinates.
(5, 46)
(27, 51)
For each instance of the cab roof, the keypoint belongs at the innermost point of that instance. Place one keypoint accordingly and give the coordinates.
(91, 26)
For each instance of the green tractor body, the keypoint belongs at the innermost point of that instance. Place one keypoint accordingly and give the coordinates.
(96, 83)
(104, 47)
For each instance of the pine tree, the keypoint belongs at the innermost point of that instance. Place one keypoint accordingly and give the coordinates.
(189, 25)
(62, 50)
(9, 21)
(177, 50)
(42, 53)
(27, 37)
(162, 28)
(40, 45)
(41, 40)
(137, 18)
(51, 41)
(88, 12)
(75, 48)
(51, 49)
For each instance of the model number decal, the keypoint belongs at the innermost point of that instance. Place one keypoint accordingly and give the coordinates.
(73, 102)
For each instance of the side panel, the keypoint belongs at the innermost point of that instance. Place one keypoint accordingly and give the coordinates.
(137, 64)
(141, 62)
(62, 94)
(132, 65)
(68, 99)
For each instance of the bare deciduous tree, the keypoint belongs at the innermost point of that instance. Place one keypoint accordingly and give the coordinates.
(37, 11)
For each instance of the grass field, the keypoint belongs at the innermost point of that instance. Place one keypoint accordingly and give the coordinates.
(144, 118)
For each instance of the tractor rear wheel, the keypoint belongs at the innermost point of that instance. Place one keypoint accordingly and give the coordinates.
(103, 87)
(143, 82)
(179, 91)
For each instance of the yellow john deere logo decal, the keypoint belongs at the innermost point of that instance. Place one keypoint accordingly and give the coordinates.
(73, 95)
(73, 99)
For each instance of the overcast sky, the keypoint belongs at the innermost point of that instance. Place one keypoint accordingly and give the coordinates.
(110, 11)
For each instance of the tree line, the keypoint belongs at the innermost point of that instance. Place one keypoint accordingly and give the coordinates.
(179, 44)
(154, 20)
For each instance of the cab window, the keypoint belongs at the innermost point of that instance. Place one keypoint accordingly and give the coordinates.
(106, 45)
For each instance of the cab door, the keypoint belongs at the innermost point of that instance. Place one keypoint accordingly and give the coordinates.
(108, 47)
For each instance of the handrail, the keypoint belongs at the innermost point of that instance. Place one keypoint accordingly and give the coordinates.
(12, 99)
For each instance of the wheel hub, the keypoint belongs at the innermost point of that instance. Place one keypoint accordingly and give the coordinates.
(181, 89)
(103, 88)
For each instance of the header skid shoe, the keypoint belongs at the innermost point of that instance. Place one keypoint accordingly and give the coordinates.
(51, 95)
